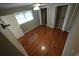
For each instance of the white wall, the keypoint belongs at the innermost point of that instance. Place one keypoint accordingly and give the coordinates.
(72, 43)
(28, 25)
(51, 12)
(74, 14)
(69, 16)
(31, 24)
(64, 27)
(14, 28)
(9, 35)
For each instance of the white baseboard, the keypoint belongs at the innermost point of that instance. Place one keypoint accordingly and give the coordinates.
(31, 28)
(50, 26)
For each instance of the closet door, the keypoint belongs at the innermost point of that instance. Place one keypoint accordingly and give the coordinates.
(44, 16)
(51, 16)
(61, 12)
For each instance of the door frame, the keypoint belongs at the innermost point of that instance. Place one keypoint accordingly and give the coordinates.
(13, 40)
(64, 26)
(39, 12)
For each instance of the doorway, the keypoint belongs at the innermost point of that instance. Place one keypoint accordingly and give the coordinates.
(9, 34)
(44, 16)
(61, 12)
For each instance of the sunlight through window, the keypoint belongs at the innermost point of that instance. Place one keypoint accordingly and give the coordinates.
(24, 17)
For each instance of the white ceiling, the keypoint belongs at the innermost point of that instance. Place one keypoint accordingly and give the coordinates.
(13, 5)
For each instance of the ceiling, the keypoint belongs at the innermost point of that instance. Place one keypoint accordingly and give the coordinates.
(13, 5)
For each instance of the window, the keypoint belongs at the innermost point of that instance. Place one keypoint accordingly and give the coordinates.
(24, 17)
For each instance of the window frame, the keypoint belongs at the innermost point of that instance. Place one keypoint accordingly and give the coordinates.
(24, 16)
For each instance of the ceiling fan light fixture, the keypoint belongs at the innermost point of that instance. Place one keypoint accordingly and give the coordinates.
(36, 8)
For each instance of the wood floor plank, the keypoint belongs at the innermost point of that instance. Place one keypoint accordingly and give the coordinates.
(44, 41)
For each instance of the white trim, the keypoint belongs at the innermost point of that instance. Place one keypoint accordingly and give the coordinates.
(39, 12)
(55, 16)
(66, 18)
(51, 16)
(31, 28)
(20, 45)
(63, 4)
(9, 35)
(72, 17)
(68, 30)
(46, 6)
(15, 42)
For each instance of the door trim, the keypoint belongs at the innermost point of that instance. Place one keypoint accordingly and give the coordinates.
(39, 12)
(13, 40)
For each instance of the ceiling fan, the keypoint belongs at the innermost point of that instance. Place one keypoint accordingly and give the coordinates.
(37, 6)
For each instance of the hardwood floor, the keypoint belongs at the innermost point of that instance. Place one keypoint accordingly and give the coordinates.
(44, 41)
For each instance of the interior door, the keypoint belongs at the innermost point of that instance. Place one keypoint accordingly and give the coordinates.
(44, 16)
(61, 12)
(9, 35)
(13, 25)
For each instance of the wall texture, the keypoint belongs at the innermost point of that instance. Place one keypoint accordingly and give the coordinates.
(26, 26)
(31, 24)
(14, 27)
(69, 13)
(7, 48)
(72, 44)
(73, 16)
(9, 35)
